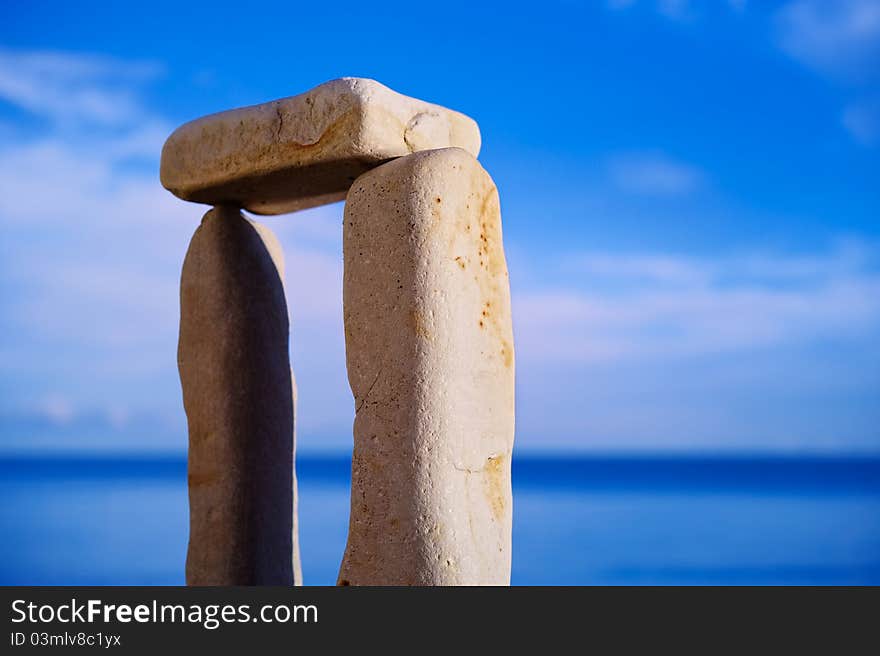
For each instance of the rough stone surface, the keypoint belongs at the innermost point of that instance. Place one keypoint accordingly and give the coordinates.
(429, 349)
(305, 150)
(239, 398)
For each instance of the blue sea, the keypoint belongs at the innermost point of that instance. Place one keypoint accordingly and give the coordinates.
(577, 520)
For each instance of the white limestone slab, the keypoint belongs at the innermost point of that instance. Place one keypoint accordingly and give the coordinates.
(305, 150)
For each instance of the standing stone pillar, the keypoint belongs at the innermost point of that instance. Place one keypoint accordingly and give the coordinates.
(429, 347)
(238, 395)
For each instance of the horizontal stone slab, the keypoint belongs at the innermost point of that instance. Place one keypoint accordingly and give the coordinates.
(306, 150)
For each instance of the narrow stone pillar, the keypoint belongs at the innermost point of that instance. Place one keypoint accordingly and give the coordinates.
(429, 349)
(238, 395)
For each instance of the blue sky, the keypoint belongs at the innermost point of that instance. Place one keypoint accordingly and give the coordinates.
(689, 193)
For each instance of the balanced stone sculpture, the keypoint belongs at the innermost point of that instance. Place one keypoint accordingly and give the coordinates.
(428, 337)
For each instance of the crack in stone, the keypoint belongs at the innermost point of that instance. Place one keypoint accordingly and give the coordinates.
(481, 469)
(280, 116)
(369, 390)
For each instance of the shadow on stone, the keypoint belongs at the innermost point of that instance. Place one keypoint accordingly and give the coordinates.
(238, 395)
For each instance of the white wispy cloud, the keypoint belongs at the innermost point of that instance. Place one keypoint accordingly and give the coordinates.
(653, 174)
(676, 10)
(72, 87)
(862, 121)
(661, 306)
(840, 38)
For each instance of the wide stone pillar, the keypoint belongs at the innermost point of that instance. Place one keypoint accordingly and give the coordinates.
(238, 395)
(429, 349)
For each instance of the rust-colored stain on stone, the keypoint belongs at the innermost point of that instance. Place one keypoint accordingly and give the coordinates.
(494, 311)
(496, 490)
(506, 353)
(419, 325)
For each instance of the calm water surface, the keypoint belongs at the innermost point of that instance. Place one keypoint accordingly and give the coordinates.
(576, 521)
